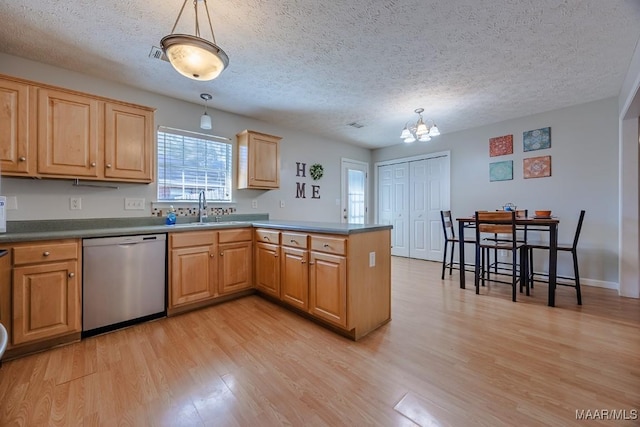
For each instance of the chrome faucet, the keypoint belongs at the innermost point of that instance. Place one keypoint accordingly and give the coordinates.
(202, 206)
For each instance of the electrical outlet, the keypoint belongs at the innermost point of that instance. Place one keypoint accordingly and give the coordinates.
(12, 203)
(75, 203)
(134, 204)
(254, 204)
(282, 203)
(372, 259)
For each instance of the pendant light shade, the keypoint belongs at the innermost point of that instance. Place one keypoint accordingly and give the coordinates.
(191, 55)
(205, 119)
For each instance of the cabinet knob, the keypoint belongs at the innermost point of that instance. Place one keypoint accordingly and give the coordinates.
(46, 253)
(221, 253)
(72, 275)
(275, 255)
(303, 262)
(93, 164)
(108, 165)
(326, 245)
(211, 255)
(22, 158)
(311, 263)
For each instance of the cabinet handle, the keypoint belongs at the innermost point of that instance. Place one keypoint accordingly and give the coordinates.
(311, 263)
(109, 165)
(93, 164)
(46, 253)
(294, 241)
(266, 237)
(22, 159)
(72, 275)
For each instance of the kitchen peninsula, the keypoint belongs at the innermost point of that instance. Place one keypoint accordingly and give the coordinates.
(338, 275)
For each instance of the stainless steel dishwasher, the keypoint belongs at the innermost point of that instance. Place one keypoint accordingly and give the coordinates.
(123, 281)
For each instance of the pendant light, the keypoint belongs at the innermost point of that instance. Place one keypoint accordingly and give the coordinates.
(193, 56)
(205, 119)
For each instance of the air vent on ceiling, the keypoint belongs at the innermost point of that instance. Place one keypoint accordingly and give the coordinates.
(157, 53)
(355, 125)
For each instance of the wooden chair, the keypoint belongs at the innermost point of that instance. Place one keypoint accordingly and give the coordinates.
(566, 248)
(504, 224)
(450, 239)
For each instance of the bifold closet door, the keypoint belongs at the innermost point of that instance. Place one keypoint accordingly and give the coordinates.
(393, 205)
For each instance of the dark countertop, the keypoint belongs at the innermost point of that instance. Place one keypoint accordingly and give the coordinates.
(22, 231)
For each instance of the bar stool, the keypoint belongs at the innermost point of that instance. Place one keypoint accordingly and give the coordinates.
(450, 239)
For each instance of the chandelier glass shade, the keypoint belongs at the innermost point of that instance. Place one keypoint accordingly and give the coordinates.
(191, 55)
(419, 131)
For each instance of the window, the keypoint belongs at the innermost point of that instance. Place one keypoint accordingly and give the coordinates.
(191, 162)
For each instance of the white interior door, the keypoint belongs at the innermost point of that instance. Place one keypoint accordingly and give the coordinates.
(438, 185)
(410, 197)
(418, 219)
(354, 191)
(393, 204)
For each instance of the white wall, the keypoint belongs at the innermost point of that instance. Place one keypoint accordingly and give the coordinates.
(49, 198)
(629, 230)
(584, 153)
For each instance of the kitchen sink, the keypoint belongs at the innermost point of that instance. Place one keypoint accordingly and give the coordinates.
(206, 224)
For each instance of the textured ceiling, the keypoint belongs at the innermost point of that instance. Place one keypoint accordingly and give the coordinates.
(318, 66)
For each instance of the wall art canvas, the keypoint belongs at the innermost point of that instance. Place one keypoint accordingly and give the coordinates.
(537, 139)
(537, 167)
(501, 145)
(501, 171)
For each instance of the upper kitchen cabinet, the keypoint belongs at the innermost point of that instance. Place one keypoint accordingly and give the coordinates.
(129, 148)
(15, 137)
(68, 134)
(59, 133)
(258, 160)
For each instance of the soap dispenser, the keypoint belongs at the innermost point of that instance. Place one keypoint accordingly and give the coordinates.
(171, 216)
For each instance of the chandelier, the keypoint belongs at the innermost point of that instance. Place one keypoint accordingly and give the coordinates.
(193, 56)
(419, 131)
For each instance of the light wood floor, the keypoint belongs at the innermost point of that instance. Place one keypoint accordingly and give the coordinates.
(448, 358)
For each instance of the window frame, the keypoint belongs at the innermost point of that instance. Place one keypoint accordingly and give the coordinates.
(161, 180)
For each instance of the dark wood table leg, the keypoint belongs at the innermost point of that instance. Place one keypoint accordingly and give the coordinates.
(553, 263)
(461, 249)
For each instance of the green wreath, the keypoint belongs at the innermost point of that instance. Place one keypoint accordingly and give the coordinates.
(316, 171)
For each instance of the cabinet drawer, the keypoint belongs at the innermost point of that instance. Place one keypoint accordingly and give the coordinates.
(192, 238)
(295, 240)
(268, 236)
(45, 252)
(332, 245)
(235, 235)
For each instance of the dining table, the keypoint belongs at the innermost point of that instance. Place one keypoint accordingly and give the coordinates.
(549, 224)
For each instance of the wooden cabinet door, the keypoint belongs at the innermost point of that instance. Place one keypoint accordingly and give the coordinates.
(15, 158)
(328, 288)
(46, 301)
(258, 160)
(295, 277)
(268, 268)
(129, 143)
(193, 275)
(68, 134)
(235, 263)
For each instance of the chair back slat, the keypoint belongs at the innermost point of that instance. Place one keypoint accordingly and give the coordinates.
(447, 225)
(496, 222)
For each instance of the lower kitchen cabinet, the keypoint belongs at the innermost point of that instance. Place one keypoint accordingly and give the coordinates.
(192, 267)
(328, 288)
(295, 277)
(235, 264)
(268, 269)
(46, 291)
(205, 265)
